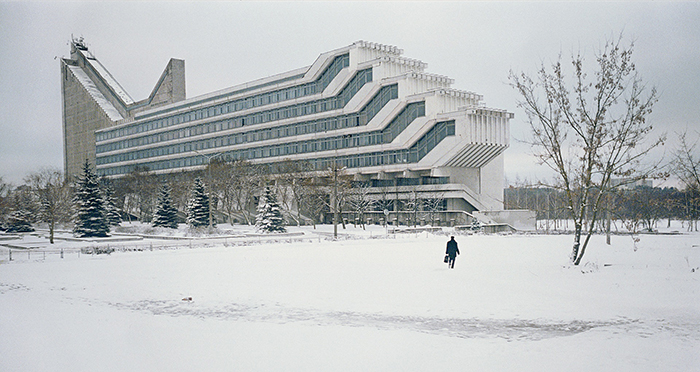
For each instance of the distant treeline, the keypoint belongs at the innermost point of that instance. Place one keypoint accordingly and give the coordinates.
(641, 206)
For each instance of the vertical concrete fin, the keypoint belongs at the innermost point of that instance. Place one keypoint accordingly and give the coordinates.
(170, 87)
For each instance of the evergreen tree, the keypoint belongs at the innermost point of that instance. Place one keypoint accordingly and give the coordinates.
(90, 217)
(112, 214)
(166, 214)
(269, 218)
(198, 206)
(19, 221)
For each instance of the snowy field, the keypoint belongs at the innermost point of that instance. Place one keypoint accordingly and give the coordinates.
(512, 303)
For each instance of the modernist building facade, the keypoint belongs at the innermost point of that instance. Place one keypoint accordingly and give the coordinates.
(365, 107)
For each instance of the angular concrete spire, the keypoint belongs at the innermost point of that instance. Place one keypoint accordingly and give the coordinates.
(170, 87)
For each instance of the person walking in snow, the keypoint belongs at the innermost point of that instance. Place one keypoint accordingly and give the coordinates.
(452, 252)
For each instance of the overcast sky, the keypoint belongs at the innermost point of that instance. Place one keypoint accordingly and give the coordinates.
(228, 43)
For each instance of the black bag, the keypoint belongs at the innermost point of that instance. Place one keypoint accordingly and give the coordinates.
(447, 258)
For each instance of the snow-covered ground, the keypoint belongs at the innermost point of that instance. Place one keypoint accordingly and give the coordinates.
(511, 303)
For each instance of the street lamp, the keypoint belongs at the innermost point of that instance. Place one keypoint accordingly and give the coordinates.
(209, 157)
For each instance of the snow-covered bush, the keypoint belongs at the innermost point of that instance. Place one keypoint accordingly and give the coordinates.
(96, 250)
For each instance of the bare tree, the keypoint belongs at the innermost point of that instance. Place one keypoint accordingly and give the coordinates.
(434, 204)
(332, 188)
(142, 187)
(304, 193)
(589, 130)
(219, 173)
(339, 183)
(686, 166)
(360, 201)
(180, 183)
(314, 201)
(284, 178)
(691, 207)
(386, 200)
(412, 205)
(5, 193)
(245, 179)
(686, 162)
(292, 183)
(54, 196)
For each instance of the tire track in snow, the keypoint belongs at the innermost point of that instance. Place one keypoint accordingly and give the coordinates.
(508, 329)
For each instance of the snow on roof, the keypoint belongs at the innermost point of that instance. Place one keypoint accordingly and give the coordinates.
(110, 80)
(95, 93)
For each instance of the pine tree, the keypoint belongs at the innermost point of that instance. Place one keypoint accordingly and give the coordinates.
(112, 214)
(90, 217)
(19, 221)
(269, 218)
(198, 206)
(166, 214)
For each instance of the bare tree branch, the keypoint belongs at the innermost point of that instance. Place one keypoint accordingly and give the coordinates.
(589, 129)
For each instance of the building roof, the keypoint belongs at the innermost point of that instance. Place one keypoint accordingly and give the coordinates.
(109, 79)
(95, 93)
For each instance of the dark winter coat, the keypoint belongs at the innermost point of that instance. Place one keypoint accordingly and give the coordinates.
(452, 249)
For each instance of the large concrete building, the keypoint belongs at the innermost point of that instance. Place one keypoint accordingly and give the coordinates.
(364, 106)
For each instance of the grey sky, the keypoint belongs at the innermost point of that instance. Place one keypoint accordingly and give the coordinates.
(224, 44)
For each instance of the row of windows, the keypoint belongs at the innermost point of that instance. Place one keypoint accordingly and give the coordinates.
(303, 90)
(407, 115)
(412, 155)
(143, 116)
(428, 142)
(358, 81)
(408, 182)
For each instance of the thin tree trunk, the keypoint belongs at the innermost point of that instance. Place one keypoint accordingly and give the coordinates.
(51, 229)
(577, 243)
(583, 248)
(607, 226)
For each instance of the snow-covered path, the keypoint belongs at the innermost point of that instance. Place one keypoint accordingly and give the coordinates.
(511, 303)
